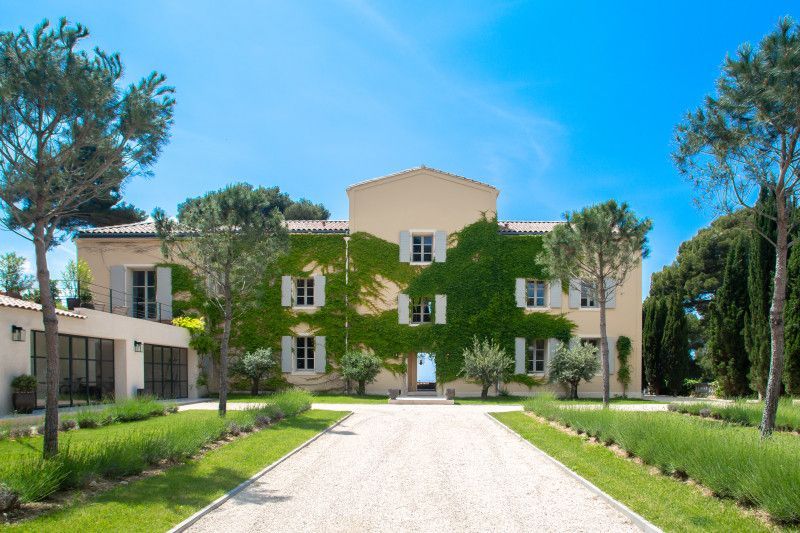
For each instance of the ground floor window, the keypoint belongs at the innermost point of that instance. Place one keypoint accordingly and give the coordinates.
(166, 372)
(536, 353)
(304, 350)
(86, 369)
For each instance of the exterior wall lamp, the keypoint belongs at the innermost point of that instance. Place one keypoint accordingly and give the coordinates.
(137, 346)
(17, 333)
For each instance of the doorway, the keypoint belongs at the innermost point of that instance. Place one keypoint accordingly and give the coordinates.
(425, 372)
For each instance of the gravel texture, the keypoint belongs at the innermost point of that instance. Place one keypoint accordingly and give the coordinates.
(412, 468)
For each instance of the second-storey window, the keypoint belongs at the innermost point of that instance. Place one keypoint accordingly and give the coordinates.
(422, 248)
(421, 311)
(588, 295)
(144, 294)
(534, 362)
(304, 353)
(304, 291)
(535, 293)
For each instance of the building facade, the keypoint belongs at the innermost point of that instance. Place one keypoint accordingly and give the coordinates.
(421, 266)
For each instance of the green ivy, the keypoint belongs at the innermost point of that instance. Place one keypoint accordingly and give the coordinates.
(478, 279)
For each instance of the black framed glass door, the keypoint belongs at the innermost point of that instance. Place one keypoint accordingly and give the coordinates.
(166, 372)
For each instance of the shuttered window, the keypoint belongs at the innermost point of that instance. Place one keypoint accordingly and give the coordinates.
(536, 352)
(421, 311)
(304, 291)
(588, 295)
(422, 248)
(304, 353)
(535, 292)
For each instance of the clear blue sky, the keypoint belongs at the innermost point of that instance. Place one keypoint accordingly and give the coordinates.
(559, 106)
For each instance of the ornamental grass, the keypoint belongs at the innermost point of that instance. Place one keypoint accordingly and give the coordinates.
(744, 413)
(730, 460)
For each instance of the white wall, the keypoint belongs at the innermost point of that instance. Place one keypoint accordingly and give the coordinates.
(15, 356)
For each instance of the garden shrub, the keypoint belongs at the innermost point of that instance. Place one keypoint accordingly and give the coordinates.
(744, 413)
(9, 499)
(731, 461)
(570, 365)
(361, 366)
(486, 363)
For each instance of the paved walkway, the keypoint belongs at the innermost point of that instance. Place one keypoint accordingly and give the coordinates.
(413, 468)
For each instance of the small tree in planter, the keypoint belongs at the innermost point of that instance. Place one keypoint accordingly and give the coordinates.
(254, 366)
(360, 366)
(487, 363)
(24, 396)
(570, 365)
(624, 354)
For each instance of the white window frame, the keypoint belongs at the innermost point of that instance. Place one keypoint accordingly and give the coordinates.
(422, 233)
(149, 304)
(304, 349)
(422, 308)
(308, 292)
(532, 350)
(545, 291)
(586, 296)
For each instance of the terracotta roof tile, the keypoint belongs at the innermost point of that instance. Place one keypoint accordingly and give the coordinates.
(526, 227)
(148, 229)
(8, 301)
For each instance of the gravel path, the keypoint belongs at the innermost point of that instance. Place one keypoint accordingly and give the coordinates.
(413, 468)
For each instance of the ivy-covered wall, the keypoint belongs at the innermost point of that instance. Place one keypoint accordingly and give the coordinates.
(478, 279)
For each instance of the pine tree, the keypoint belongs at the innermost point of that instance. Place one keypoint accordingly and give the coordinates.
(791, 373)
(759, 286)
(675, 347)
(726, 347)
(654, 310)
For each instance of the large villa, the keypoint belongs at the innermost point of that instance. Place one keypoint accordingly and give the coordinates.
(342, 281)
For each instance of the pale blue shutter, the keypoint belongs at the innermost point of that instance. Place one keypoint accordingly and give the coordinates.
(440, 246)
(164, 292)
(519, 293)
(320, 359)
(519, 355)
(319, 291)
(552, 346)
(405, 247)
(286, 354)
(612, 354)
(611, 296)
(403, 308)
(440, 309)
(118, 299)
(574, 293)
(286, 291)
(555, 294)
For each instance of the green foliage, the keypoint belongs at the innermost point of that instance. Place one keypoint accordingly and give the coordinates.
(360, 366)
(791, 375)
(570, 365)
(675, 347)
(305, 210)
(486, 363)
(655, 316)
(24, 383)
(13, 279)
(623, 354)
(78, 280)
(254, 365)
(730, 461)
(193, 324)
(743, 412)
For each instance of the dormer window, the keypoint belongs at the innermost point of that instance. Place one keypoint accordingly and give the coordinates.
(422, 248)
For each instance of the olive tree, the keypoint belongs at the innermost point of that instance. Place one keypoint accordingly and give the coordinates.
(487, 363)
(70, 134)
(254, 366)
(744, 140)
(229, 238)
(599, 245)
(360, 366)
(570, 365)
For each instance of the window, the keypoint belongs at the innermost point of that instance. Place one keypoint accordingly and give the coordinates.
(592, 342)
(304, 352)
(304, 291)
(421, 311)
(422, 248)
(534, 363)
(144, 294)
(588, 295)
(535, 293)
(166, 371)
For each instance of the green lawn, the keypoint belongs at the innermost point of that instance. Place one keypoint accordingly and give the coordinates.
(665, 501)
(159, 502)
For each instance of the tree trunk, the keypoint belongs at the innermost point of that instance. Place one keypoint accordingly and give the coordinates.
(601, 291)
(573, 390)
(485, 391)
(254, 386)
(50, 445)
(773, 391)
(362, 388)
(223, 355)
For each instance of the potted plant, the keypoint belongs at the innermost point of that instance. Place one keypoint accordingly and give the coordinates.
(24, 396)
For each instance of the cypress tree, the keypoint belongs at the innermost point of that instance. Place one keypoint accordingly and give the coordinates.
(759, 286)
(654, 311)
(791, 372)
(675, 347)
(727, 322)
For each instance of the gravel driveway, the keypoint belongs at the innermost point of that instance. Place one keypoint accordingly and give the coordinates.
(413, 468)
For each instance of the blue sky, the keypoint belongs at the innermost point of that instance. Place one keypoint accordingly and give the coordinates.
(558, 105)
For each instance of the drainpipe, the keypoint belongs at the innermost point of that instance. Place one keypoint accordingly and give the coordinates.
(346, 299)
